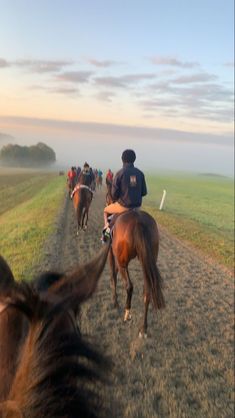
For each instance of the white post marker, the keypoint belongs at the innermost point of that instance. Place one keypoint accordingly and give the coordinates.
(163, 199)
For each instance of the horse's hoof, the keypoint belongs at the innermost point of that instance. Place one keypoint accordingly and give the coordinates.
(127, 316)
(77, 233)
(142, 334)
(84, 228)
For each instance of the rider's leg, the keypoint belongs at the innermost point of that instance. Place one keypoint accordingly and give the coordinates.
(111, 209)
(106, 224)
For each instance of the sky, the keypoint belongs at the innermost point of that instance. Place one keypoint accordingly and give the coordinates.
(94, 77)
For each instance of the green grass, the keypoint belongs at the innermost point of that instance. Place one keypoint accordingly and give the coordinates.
(15, 188)
(198, 209)
(24, 228)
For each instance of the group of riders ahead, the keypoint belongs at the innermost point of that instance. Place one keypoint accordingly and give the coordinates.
(128, 187)
(76, 175)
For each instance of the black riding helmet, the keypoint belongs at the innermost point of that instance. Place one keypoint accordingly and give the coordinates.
(128, 156)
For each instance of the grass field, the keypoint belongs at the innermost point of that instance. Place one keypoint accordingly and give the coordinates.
(18, 187)
(198, 209)
(29, 205)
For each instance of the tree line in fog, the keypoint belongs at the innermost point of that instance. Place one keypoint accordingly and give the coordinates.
(31, 156)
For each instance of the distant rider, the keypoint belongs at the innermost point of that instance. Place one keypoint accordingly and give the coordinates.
(71, 177)
(86, 175)
(109, 177)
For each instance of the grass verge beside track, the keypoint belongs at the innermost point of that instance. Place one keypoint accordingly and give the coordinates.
(210, 243)
(24, 228)
(198, 209)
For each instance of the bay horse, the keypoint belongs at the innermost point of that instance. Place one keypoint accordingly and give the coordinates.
(82, 197)
(135, 234)
(56, 370)
(99, 181)
(71, 184)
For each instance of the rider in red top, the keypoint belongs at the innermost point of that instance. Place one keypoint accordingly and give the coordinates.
(109, 177)
(71, 177)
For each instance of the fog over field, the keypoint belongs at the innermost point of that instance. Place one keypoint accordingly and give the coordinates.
(102, 145)
(145, 75)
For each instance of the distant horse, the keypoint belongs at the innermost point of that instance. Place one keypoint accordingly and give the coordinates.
(71, 184)
(135, 234)
(56, 370)
(99, 181)
(82, 197)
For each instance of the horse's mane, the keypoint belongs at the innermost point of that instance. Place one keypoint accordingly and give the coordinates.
(63, 368)
(58, 373)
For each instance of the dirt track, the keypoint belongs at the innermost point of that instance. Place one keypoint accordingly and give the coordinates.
(185, 366)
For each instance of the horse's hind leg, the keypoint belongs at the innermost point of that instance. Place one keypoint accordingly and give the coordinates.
(78, 222)
(87, 216)
(84, 219)
(129, 290)
(114, 270)
(143, 329)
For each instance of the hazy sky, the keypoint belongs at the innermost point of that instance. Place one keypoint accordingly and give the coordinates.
(93, 77)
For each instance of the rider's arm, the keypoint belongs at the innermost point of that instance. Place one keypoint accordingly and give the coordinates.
(144, 187)
(79, 176)
(116, 188)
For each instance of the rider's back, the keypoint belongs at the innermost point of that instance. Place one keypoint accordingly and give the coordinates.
(85, 178)
(129, 186)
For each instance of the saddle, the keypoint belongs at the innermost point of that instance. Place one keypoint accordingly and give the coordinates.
(112, 218)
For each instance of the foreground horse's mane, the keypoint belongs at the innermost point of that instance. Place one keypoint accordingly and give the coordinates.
(63, 368)
(59, 374)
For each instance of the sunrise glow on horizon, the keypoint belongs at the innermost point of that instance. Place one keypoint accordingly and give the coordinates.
(149, 64)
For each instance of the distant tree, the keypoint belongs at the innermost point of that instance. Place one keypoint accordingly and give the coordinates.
(35, 155)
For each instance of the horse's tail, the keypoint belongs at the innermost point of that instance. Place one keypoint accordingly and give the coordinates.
(147, 256)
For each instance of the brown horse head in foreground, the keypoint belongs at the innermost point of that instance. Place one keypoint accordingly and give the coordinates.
(55, 371)
(135, 234)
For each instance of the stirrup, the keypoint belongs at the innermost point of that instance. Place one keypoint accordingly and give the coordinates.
(106, 234)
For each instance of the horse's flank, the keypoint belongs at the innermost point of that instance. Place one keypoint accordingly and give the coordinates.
(135, 234)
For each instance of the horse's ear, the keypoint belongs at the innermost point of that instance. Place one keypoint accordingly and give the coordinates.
(83, 281)
(6, 275)
(6, 282)
(9, 409)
